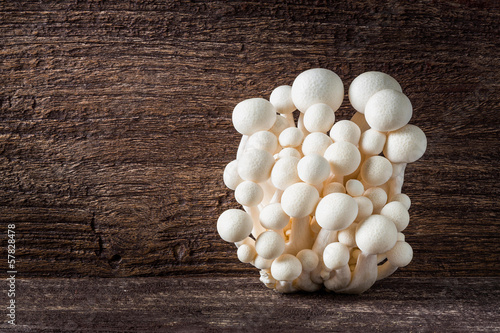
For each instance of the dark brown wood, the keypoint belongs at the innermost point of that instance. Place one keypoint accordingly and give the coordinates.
(115, 126)
(225, 304)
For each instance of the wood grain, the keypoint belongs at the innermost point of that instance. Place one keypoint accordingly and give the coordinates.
(115, 124)
(244, 305)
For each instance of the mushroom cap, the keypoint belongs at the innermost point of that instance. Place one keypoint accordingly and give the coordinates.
(317, 85)
(248, 193)
(365, 85)
(400, 255)
(372, 142)
(273, 217)
(388, 110)
(336, 211)
(262, 263)
(376, 234)
(354, 187)
(336, 255)
(345, 130)
(313, 169)
(403, 198)
(376, 170)
(334, 187)
(347, 236)
(246, 253)
(365, 208)
(309, 259)
(286, 268)
(377, 196)
(231, 177)
(291, 137)
(319, 118)
(406, 145)
(285, 172)
(253, 115)
(316, 143)
(270, 244)
(299, 200)
(359, 119)
(263, 140)
(344, 157)
(255, 165)
(289, 151)
(234, 225)
(397, 213)
(281, 98)
(279, 125)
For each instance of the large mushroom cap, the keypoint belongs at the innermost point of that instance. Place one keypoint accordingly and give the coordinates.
(406, 145)
(376, 234)
(344, 157)
(234, 225)
(336, 211)
(253, 115)
(388, 110)
(286, 268)
(335, 255)
(299, 200)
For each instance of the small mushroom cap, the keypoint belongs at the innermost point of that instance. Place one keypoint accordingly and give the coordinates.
(365, 85)
(336, 255)
(299, 200)
(397, 213)
(255, 165)
(279, 125)
(263, 140)
(372, 142)
(291, 137)
(400, 255)
(317, 85)
(286, 268)
(376, 170)
(348, 235)
(316, 143)
(336, 211)
(273, 217)
(377, 196)
(281, 98)
(345, 130)
(285, 172)
(270, 244)
(354, 187)
(262, 263)
(253, 115)
(376, 234)
(231, 177)
(246, 253)
(406, 145)
(333, 188)
(319, 118)
(248, 193)
(309, 259)
(359, 119)
(388, 110)
(234, 225)
(344, 157)
(365, 208)
(289, 151)
(313, 169)
(403, 198)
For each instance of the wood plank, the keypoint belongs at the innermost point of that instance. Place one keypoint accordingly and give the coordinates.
(228, 304)
(115, 124)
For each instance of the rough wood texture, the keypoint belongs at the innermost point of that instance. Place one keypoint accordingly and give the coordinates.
(115, 125)
(245, 305)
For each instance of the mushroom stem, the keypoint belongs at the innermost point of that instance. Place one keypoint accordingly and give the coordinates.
(397, 179)
(242, 146)
(285, 287)
(254, 213)
(324, 238)
(267, 279)
(305, 283)
(289, 118)
(339, 279)
(248, 241)
(269, 191)
(385, 270)
(276, 196)
(301, 235)
(364, 275)
(300, 124)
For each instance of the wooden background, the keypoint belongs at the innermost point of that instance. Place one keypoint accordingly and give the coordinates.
(115, 125)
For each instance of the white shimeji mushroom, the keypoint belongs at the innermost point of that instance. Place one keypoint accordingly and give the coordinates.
(388, 110)
(319, 118)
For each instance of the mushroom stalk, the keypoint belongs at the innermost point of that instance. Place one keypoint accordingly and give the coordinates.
(300, 124)
(385, 270)
(397, 179)
(304, 282)
(289, 118)
(254, 213)
(242, 146)
(364, 275)
(339, 279)
(324, 238)
(301, 235)
(276, 196)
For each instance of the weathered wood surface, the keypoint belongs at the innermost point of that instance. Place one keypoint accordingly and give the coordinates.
(178, 304)
(115, 124)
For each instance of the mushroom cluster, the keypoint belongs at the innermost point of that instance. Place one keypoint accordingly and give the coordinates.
(322, 201)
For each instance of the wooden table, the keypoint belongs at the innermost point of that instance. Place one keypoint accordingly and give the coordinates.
(115, 127)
